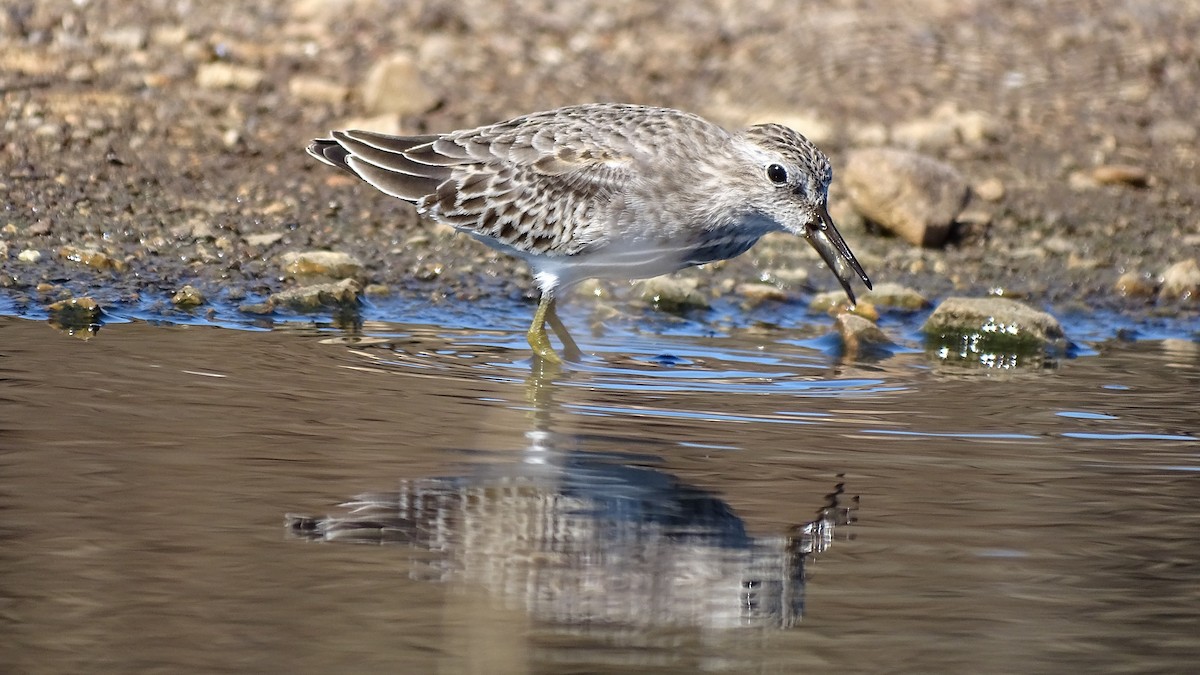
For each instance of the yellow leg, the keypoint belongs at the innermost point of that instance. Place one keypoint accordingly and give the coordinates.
(538, 340)
(570, 349)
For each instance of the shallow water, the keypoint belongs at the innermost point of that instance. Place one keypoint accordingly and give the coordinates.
(416, 498)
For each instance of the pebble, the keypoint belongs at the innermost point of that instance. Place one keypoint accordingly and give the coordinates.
(98, 260)
(395, 85)
(221, 75)
(328, 264)
(1134, 285)
(75, 313)
(672, 294)
(264, 239)
(834, 303)
(187, 297)
(992, 324)
(1181, 280)
(1172, 132)
(127, 38)
(30, 255)
(861, 337)
(316, 297)
(758, 293)
(915, 196)
(317, 90)
(1121, 174)
(990, 190)
(895, 296)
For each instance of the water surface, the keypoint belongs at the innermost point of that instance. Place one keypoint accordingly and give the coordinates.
(415, 498)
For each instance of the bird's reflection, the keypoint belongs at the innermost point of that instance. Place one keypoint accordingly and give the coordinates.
(584, 538)
(581, 539)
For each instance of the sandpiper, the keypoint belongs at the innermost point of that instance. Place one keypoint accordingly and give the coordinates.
(606, 190)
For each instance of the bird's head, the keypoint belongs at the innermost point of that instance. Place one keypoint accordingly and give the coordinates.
(790, 180)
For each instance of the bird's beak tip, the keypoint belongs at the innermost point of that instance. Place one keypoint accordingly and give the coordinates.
(823, 235)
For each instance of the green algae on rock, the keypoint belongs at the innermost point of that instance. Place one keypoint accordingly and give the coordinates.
(992, 331)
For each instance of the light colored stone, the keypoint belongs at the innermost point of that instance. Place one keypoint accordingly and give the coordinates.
(992, 323)
(811, 125)
(395, 85)
(128, 38)
(834, 303)
(672, 294)
(187, 297)
(1173, 132)
(222, 75)
(925, 134)
(92, 258)
(263, 239)
(990, 189)
(1132, 284)
(30, 255)
(860, 336)
(912, 195)
(893, 295)
(317, 90)
(1121, 174)
(313, 298)
(1181, 280)
(329, 264)
(758, 293)
(387, 123)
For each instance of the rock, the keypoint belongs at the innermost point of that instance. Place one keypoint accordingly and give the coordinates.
(317, 90)
(1121, 174)
(791, 276)
(895, 296)
(187, 297)
(672, 294)
(316, 297)
(127, 38)
(861, 337)
(914, 196)
(864, 135)
(834, 303)
(395, 85)
(257, 308)
(264, 239)
(811, 125)
(222, 75)
(75, 314)
(925, 134)
(1134, 285)
(386, 123)
(29, 255)
(327, 264)
(377, 290)
(757, 293)
(1181, 280)
(946, 128)
(990, 190)
(1169, 133)
(98, 260)
(194, 229)
(997, 325)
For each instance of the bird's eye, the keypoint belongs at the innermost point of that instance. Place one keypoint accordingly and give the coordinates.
(777, 174)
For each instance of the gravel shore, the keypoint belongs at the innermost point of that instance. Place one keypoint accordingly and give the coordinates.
(152, 145)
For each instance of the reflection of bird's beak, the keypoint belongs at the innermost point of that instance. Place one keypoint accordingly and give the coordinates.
(824, 237)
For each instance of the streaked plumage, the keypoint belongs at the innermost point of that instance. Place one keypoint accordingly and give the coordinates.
(606, 190)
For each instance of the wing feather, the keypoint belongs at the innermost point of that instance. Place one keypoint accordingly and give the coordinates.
(544, 183)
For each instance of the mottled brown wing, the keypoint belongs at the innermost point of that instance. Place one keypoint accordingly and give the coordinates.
(529, 185)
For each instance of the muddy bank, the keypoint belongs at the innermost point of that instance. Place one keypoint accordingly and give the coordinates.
(150, 146)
